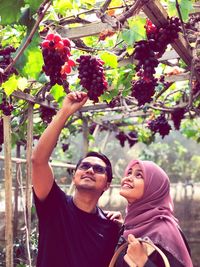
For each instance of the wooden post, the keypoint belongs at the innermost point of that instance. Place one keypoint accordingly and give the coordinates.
(8, 191)
(28, 192)
(85, 136)
(105, 141)
(16, 195)
(28, 166)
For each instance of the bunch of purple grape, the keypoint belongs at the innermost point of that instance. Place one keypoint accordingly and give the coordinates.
(177, 115)
(131, 137)
(92, 77)
(6, 107)
(5, 60)
(46, 114)
(1, 133)
(143, 90)
(159, 125)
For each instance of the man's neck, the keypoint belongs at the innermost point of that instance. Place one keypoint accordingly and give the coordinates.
(85, 202)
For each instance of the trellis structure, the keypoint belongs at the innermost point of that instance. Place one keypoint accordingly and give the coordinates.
(158, 15)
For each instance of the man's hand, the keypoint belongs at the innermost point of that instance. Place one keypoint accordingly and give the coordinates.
(115, 216)
(74, 101)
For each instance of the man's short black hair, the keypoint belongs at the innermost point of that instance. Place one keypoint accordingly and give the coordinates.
(102, 157)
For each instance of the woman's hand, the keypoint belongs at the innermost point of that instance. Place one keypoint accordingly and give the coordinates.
(115, 216)
(136, 254)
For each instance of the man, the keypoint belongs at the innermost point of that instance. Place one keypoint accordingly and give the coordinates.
(73, 231)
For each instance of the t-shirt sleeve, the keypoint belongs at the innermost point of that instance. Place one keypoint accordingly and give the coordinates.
(48, 207)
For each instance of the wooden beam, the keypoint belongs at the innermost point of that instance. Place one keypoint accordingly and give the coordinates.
(85, 30)
(34, 100)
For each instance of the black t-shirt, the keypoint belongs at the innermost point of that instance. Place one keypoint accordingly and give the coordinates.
(70, 237)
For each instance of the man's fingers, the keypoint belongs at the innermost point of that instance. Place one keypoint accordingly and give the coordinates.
(78, 97)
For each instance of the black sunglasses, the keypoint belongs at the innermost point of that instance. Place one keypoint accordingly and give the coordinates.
(96, 167)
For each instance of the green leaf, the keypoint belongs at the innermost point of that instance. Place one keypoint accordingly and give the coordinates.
(33, 4)
(30, 62)
(26, 18)
(10, 85)
(57, 92)
(22, 83)
(135, 32)
(186, 8)
(110, 59)
(61, 6)
(34, 63)
(10, 11)
(184, 5)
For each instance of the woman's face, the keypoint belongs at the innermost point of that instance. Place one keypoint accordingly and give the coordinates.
(132, 186)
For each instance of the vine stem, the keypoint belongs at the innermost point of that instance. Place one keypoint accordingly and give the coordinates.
(28, 40)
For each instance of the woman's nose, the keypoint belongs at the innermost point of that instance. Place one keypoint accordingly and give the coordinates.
(128, 178)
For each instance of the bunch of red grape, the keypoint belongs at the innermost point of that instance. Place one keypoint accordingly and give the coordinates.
(131, 137)
(93, 126)
(46, 114)
(196, 88)
(56, 55)
(1, 133)
(147, 53)
(159, 125)
(5, 60)
(121, 136)
(143, 90)
(6, 107)
(147, 61)
(115, 102)
(65, 147)
(162, 36)
(177, 115)
(92, 77)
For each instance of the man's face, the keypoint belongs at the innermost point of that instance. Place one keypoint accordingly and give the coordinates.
(91, 175)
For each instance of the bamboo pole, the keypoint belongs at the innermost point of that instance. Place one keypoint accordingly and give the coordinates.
(8, 192)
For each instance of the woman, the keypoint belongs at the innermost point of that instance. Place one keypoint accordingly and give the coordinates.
(150, 214)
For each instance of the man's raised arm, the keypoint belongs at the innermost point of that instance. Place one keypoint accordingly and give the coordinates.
(42, 175)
